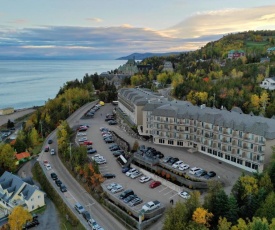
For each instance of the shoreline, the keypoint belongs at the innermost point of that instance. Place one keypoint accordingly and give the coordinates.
(17, 114)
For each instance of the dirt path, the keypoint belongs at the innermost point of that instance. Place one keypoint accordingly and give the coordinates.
(20, 113)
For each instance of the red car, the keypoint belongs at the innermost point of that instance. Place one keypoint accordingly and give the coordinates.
(154, 184)
(87, 143)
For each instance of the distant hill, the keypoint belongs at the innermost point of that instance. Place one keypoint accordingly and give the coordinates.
(141, 56)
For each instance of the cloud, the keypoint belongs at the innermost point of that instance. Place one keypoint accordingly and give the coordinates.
(94, 19)
(224, 21)
(19, 21)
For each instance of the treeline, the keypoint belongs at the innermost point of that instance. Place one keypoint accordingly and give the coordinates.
(207, 76)
(250, 206)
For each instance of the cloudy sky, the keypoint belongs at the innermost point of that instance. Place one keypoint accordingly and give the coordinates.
(108, 29)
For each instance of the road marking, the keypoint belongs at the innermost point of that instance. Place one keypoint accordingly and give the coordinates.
(163, 189)
(90, 204)
(168, 192)
(72, 196)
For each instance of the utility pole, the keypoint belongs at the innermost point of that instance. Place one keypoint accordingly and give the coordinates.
(214, 100)
(70, 149)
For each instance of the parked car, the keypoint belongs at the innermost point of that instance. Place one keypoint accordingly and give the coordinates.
(97, 156)
(129, 198)
(47, 149)
(210, 174)
(54, 176)
(109, 175)
(91, 151)
(58, 183)
(115, 148)
(154, 184)
(86, 215)
(79, 208)
(50, 141)
(125, 169)
(101, 161)
(109, 140)
(52, 152)
(144, 179)
(126, 193)
(81, 134)
(184, 167)
(173, 160)
(92, 223)
(135, 201)
(184, 195)
(194, 170)
(118, 153)
(87, 143)
(200, 173)
(111, 186)
(112, 122)
(129, 173)
(89, 147)
(31, 224)
(177, 164)
(117, 188)
(103, 128)
(136, 174)
(63, 188)
(166, 159)
(48, 167)
(82, 139)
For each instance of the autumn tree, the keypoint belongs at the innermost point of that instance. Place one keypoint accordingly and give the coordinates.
(18, 218)
(135, 146)
(7, 158)
(202, 216)
(34, 137)
(223, 224)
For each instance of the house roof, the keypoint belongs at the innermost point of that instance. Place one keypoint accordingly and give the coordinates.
(15, 185)
(22, 155)
(234, 119)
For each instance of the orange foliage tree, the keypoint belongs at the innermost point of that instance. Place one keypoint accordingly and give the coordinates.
(202, 216)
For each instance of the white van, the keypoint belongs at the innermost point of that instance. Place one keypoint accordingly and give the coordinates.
(194, 170)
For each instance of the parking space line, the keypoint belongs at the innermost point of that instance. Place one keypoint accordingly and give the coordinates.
(168, 192)
(173, 196)
(163, 189)
(72, 196)
(90, 204)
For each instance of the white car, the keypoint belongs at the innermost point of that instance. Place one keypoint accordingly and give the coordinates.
(101, 161)
(111, 186)
(48, 167)
(184, 167)
(177, 164)
(52, 151)
(136, 174)
(97, 156)
(82, 139)
(144, 179)
(129, 173)
(117, 189)
(81, 134)
(194, 170)
(184, 195)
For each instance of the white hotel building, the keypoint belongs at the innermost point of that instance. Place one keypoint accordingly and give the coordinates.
(239, 139)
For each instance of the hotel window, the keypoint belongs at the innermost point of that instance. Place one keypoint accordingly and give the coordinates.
(166, 119)
(254, 166)
(220, 129)
(248, 164)
(161, 141)
(239, 143)
(227, 157)
(209, 151)
(220, 154)
(239, 161)
(241, 134)
(186, 128)
(233, 159)
(214, 152)
(170, 142)
(229, 148)
(203, 148)
(180, 143)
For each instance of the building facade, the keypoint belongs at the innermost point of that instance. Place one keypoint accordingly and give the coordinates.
(242, 140)
(6, 111)
(15, 191)
(268, 83)
(232, 54)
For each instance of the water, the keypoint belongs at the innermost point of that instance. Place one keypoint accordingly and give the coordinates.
(24, 84)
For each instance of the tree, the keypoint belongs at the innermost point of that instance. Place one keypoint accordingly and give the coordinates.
(232, 210)
(192, 204)
(135, 146)
(202, 216)
(224, 224)
(10, 124)
(34, 137)
(19, 217)
(267, 209)
(175, 217)
(7, 159)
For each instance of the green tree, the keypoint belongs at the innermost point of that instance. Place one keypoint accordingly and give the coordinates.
(7, 159)
(232, 210)
(34, 137)
(267, 208)
(192, 204)
(224, 224)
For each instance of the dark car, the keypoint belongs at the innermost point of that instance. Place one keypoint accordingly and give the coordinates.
(118, 153)
(31, 224)
(115, 148)
(47, 149)
(109, 175)
(126, 193)
(125, 169)
(200, 173)
(50, 141)
(112, 146)
(112, 122)
(86, 215)
(129, 198)
(91, 151)
(109, 119)
(135, 201)
(210, 174)
(173, 160)
(109, 140)
(58, 183)
(54, 176)
(63, 188)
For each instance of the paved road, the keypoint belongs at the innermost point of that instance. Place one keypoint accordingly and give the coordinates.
(20, 113)
(75, 192)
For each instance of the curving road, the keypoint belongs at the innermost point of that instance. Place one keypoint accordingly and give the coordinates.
(75, 192)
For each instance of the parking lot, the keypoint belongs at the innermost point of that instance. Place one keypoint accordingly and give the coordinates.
(227, 174)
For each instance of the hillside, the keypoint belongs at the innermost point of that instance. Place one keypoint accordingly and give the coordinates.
(141, 56)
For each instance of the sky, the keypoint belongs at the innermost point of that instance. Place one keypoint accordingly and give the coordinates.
(108, 29)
